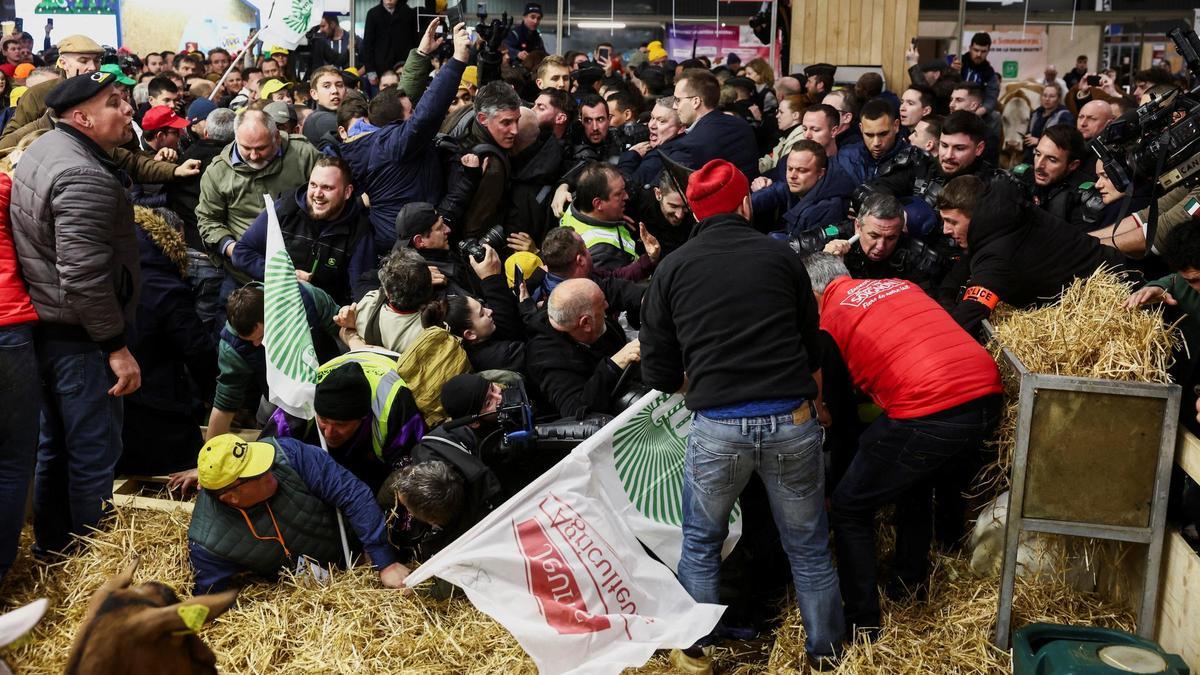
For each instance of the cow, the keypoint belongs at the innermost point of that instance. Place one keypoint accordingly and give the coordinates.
(144, 628)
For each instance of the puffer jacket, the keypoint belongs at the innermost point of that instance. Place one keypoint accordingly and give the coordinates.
(73, 228)
(231, 190)
(15, 306)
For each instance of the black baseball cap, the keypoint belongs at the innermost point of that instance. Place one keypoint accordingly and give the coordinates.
(414, 218)
(533, 8)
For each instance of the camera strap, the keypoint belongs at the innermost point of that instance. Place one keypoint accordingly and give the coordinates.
(1152, 226)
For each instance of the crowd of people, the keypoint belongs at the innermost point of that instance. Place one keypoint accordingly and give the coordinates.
(468, 217)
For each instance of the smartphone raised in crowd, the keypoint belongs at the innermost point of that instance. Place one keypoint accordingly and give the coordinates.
(1093, 80)
(603, 52)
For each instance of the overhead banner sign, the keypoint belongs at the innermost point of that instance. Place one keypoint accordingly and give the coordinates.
(716, 43)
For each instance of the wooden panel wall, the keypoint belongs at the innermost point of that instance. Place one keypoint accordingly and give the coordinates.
(855, 32)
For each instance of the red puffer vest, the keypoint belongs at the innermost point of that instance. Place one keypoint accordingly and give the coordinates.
(15, 306)
(903, 349)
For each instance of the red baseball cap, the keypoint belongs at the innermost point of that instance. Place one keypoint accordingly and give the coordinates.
(161, 116)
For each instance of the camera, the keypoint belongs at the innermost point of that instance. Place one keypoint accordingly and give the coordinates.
(514, 415)
(814, 240)
(474, 247)
(1161, 139)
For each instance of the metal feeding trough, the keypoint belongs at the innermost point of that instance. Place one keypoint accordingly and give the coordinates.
(1092, 459)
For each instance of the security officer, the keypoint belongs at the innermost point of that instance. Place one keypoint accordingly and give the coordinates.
(916, 178)
(885, 251)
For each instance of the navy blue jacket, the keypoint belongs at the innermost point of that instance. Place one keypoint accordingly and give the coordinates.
(825, 203)
(721, 136)
(330, 483)
(335, 252)
(857, 163)
(399, 163)
(521, 39)
(645, 170)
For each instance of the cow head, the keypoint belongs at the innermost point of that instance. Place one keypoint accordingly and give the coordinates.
(144, 628)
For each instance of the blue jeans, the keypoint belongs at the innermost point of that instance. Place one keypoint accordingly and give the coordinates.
(206, 280)
(20, 401)
(721, 456)
(79, 444)
(899, 461)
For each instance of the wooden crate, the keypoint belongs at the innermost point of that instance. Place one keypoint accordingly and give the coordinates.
(128, 492)
(1178, 626)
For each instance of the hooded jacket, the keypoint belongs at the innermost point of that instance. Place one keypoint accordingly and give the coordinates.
(825, 203)
(1020, 255)
(706, 314)
(335, 252)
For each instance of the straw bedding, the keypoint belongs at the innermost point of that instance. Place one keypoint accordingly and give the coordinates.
(353, 625)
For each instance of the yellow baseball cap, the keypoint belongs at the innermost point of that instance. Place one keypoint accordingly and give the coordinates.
(16, 94)
(227, 458)
(528, 262)
(271, 86)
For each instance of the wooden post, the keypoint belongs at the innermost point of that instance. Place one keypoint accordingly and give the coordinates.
(855, 32)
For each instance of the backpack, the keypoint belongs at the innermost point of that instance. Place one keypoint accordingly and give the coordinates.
(427, 364)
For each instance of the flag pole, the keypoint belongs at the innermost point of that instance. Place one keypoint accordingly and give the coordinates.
(341, 521)
(233, 64)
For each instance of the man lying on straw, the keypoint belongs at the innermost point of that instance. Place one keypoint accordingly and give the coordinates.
(264, 505)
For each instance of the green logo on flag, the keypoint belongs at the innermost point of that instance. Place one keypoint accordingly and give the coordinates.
(283, 307)
(297, 19)
(649, 455)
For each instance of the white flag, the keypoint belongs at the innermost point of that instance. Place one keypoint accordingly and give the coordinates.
(563, 573)
(291, 359)
(289, 21)
(638, 459)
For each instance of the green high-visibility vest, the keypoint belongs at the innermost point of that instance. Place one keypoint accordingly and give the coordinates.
(386, 383)
(594, 235)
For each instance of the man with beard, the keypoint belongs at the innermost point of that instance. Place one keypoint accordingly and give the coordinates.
(974, 67)
(642, 162)
(553, 108)
(1061, 181)
(599, 142)
(885, 251)
(880, 133)
(260, 160)
(325, 231)
(331, 45)
(916, 178)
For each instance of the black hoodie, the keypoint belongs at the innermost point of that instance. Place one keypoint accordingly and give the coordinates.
(1021, 255)
(733, 309)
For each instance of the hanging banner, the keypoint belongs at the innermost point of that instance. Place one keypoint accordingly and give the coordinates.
(716, 43)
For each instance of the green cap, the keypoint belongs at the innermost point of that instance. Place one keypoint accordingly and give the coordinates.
(114, 69)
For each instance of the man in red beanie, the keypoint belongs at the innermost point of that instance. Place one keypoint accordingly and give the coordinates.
(730, 318)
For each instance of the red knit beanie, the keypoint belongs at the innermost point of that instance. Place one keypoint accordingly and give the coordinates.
(717, 187)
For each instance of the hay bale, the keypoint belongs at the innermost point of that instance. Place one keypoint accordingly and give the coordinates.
(353, 625)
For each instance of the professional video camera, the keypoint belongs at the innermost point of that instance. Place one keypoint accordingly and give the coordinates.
(814, 240)
(1161, 139)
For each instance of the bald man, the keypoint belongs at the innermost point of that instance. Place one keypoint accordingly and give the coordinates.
(787, 86)
(577, 355)
(1093, 118)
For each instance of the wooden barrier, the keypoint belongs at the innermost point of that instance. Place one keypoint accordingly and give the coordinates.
(1179, 600)
(855, 32)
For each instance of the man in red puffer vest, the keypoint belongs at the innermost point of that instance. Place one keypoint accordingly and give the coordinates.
(20, 393)
(940, 394)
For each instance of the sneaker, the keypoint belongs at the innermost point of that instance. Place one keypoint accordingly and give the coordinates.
(692, 665)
